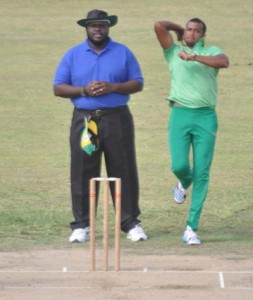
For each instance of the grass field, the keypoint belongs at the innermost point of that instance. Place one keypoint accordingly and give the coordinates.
(34, 193)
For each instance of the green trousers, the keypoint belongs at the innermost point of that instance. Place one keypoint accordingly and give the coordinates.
(193, 131)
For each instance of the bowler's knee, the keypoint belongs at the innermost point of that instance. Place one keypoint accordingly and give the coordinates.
(180, 169)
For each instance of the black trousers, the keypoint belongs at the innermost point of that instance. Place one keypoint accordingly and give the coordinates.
(116, 142)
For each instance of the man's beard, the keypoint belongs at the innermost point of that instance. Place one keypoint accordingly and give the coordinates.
(190, 45)
(98, 43)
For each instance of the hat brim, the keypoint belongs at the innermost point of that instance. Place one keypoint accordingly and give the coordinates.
(112, 20)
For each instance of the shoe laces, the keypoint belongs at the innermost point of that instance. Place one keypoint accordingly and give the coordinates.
(182, 189)
(189, 233)
(138, 229)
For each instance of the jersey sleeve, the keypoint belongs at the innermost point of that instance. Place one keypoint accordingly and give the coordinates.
(134, 69)
(170, 52)
(214, 50)
(63, 71)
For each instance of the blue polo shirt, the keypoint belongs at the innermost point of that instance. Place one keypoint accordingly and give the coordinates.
(81, 64)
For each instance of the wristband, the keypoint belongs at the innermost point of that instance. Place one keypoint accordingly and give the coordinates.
(83, 93)
(193, 56)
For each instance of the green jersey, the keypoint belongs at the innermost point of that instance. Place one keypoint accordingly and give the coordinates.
(193, 84)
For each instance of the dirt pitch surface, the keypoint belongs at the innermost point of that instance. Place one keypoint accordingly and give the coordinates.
(64, 274)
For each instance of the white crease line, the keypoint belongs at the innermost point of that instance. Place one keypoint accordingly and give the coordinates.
(240, 288)
(92, 287)
(222, 283)
(126, 271)
(74, 287)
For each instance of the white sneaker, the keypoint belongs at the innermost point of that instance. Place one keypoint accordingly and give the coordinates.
(190, 237)
(137, 234)
(179, 193)
(80, 235)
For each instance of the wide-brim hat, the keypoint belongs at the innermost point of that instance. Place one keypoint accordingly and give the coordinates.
(98, 15)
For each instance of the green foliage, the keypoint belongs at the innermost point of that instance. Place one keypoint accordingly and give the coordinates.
(35, 206)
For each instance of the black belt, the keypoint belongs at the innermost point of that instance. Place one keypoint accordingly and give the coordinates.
(102, 112)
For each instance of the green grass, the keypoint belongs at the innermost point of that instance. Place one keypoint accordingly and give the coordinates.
(34, 193)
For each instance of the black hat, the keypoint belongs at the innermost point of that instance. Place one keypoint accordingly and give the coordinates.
(98, 15)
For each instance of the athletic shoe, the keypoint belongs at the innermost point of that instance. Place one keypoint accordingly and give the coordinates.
(190, 237)
(80, 235)
(179, 193)
(137, 234)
